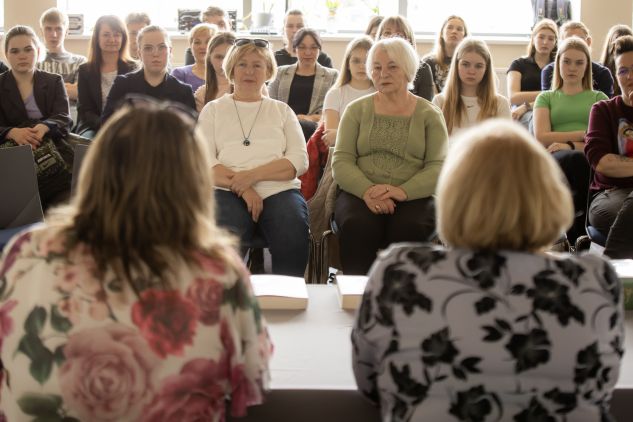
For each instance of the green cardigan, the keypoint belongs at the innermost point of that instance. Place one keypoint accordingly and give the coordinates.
(354, 164)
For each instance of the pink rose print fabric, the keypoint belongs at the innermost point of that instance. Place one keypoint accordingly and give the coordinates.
(78, 344)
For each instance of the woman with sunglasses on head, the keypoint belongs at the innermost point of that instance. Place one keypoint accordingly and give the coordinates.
(389, 151)
(107, 58)
(453, 31)
(398, 26)
(153, 78)
(609, 150)
(303, 85)
(199, 38)
(258, 151)
(34, 110)
(130, 304)
(470, 94)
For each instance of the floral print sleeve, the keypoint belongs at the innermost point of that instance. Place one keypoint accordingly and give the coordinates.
(484, 336)
(81, 346)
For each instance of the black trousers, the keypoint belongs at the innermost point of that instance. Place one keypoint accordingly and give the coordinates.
(362, 233)
(576, 170)
(611, 212)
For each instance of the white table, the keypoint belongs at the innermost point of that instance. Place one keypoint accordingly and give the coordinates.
(311, 369)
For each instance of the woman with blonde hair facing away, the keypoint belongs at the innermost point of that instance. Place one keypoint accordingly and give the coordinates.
(398, 26)
(131, 304)
(492, 327)
(470, 95)
(453, 31)
(215, 82)
(194, 74)
(524, 73)
(352, 83)
(107, 58)
(607, 59)
(388, 156)
(257, 153)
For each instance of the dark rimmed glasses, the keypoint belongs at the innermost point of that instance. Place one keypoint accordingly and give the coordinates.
(259, 42)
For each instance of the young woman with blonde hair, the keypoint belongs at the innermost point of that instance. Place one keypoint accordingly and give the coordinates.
(453, 31)
(194, 74)
(133, 286)
(470, 94)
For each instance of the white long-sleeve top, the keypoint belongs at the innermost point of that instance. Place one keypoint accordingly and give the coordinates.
(275, 134)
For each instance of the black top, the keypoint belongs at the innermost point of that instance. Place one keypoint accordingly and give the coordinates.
(301, 93)
(530, 73)
(423, 82)
(602, 78)
(89, 102)
(283, 58)
(171, 89)
(189, 59)
(50, 97)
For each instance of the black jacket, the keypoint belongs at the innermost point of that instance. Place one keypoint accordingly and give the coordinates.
(171, 89)
(50, 97)
(89, 103)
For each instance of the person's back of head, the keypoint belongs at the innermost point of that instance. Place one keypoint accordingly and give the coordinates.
(500, 189)
(144, 198)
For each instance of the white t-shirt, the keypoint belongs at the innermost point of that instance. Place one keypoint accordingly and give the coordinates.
(337, 99)
(275, 134)
(473, 108)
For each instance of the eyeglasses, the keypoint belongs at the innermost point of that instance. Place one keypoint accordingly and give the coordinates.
(151, 49)
(625, 71)
(257, 41)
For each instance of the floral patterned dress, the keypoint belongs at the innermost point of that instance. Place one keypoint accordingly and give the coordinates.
(458, 335)
(79, 348)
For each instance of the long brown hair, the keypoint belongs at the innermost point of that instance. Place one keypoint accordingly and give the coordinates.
(359, 43)
(94, 51)
(210, 78)
(454, 108)
(440, 44)
(144, 202)
(608, 51)
(573, 43)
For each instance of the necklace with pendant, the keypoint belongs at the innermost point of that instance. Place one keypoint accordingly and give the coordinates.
(247, 138)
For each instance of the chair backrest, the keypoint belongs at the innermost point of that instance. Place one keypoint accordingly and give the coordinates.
(80, 154)
(19, 197)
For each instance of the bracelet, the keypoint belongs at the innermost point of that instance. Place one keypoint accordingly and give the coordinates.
(527, 105)
(571, 145)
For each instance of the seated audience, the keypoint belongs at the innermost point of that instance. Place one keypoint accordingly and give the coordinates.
(257, 153)
(451, 34)
(352, 83)
(398, 26)
(608, 57)
(107, 58)
(303, 85)
(609, 150)
(213, 15)
(193, 74)
(134, 22)
(54, 27)
(34, 111)
(372, 26)
(216, 83)
(293, 22)
(470, 94)
(524, 73)
(491, 328)
(152, 79)
(389, 151)
(152, 316)
(602, 78)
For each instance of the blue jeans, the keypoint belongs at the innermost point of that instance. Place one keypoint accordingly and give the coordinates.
(283, 223)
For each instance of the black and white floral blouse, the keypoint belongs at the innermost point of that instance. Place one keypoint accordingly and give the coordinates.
(458, 335)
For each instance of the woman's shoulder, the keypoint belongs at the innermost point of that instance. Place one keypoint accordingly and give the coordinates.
(40, 241)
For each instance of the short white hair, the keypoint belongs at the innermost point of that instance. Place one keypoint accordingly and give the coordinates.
(398, 50)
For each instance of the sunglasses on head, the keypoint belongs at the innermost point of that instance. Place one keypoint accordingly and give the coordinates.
(257, 41)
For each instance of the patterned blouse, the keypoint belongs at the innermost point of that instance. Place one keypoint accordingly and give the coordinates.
(77, 347)
(457, 335)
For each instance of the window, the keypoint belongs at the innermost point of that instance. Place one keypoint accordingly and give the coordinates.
(162, 12)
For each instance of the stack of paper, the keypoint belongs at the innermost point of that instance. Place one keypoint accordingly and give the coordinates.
(280, 291)
(350, 290)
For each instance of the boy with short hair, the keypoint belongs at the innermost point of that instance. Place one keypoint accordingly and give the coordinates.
(135, 22)
(54, 27)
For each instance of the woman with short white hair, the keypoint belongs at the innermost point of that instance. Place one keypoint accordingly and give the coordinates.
(389, 152)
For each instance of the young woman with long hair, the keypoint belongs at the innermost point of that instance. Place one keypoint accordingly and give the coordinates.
(607, 59)
(470, 94)
(453, 31)
(215, 82)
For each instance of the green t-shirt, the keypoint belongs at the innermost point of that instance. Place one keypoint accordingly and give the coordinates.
(568, 113)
